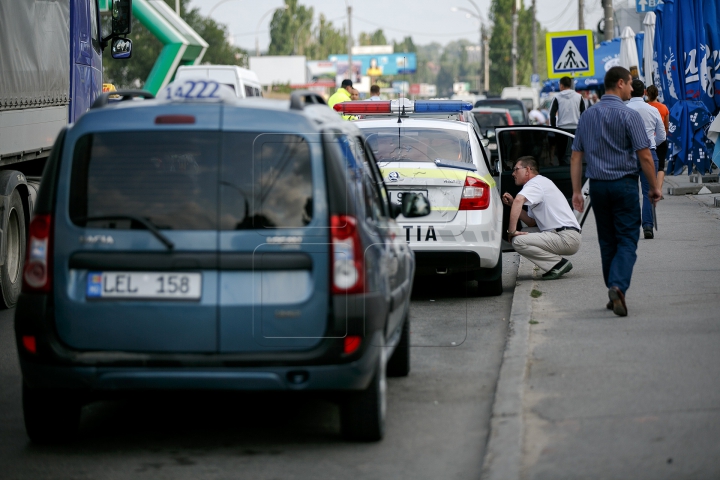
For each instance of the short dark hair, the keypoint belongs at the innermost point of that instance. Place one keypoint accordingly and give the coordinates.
(529, 162)
(638, 88)
(652, 92)
(375, 89)
(566, 82)
(346, 83)
(614, 75)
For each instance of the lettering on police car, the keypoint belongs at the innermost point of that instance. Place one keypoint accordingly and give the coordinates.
(429, 233)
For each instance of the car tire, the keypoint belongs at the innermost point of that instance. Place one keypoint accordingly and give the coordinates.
(492, 287)
(399, 363)
(362, 414)
(12, 270)
(51, 415)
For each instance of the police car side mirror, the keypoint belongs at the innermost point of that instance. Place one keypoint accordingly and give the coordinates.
(121, 48)
(414, 205)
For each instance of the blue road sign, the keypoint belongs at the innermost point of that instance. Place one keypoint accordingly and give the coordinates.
(644, 6)
(570, 54)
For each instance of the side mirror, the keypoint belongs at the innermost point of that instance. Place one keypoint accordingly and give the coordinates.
(121, 17)
(121, 48)
(490, 134)
(414, 205)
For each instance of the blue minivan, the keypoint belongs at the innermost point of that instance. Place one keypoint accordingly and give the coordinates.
(195, 241)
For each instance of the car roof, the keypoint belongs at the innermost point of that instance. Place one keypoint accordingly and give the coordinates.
(484, 109)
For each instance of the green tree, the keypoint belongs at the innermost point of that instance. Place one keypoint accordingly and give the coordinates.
(291, 29)
(455, 67)
(327, 40)
(146, 48)
(406, 45)
(375, 38)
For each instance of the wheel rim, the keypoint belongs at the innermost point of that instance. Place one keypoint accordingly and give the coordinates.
(13, 246)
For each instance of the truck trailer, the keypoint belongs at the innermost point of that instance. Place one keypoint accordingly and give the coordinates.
(50, 74)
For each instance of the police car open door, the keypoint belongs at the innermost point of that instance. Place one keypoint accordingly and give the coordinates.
(551, 148)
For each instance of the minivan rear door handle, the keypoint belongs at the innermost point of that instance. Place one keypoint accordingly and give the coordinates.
(177, 261)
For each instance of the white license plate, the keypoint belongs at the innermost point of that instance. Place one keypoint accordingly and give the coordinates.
(144, 285)
(397, 195)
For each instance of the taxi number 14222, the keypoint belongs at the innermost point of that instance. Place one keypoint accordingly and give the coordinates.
(145, 285)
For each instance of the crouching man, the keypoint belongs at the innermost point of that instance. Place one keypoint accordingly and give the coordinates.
(549, 210)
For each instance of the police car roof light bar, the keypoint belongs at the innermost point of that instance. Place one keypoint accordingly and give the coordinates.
(441, 106)
(362, 107)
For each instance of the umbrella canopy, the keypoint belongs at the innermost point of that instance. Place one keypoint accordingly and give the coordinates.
(628, 52)
(648, 42)
(711, 15)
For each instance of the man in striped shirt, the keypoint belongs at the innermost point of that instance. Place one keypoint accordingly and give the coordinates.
(611, 138)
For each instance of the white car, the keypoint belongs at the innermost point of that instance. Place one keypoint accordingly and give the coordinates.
(445, 161)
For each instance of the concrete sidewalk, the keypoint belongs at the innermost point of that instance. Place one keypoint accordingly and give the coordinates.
(600, 396)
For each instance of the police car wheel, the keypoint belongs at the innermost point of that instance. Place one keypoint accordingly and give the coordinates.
(12, 270)
(399, 363)
(51, 415)
(362, 414)
(492, 287)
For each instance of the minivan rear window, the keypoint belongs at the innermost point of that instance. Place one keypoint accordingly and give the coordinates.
(418, 145)
(182, 181)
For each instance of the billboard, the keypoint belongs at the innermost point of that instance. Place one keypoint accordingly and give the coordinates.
(381, 65)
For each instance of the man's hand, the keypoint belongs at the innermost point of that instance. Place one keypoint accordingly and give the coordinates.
(578, 202)
(654, 194)
(507, 199)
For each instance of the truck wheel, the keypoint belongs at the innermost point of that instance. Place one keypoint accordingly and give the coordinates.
(362, 414)
(399, 363)
(51, 416)
(11, 272)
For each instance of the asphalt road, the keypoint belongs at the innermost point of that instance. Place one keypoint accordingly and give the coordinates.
(437, 419)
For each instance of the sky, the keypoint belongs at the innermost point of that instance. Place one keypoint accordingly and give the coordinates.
(425, 20)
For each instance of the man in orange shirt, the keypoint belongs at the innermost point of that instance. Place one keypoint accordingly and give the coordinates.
(652, 94)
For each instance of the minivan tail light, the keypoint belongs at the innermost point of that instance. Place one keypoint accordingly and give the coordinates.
(174, 119)
(37, 273)
(347, 264)
(351, 344)
(475, 195)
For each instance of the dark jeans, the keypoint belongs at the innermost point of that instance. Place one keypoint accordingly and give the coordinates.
(563, 147)
(647, 218)
(617, 216)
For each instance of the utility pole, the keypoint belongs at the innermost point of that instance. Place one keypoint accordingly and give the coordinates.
(177, 7)
(486, 47)
(514, 41)
(350, 42)
(609, 24)
(534, 34)
(581, 14)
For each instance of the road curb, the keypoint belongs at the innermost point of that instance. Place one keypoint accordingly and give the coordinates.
(503, 456)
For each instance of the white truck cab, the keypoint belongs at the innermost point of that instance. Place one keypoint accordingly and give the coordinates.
(528, 95)
(245, 82)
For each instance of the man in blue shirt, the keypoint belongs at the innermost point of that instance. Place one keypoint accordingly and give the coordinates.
(611, 138)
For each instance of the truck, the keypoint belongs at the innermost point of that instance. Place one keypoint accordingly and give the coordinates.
(50, 74)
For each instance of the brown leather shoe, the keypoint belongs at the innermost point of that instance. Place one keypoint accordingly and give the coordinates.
(618, 301)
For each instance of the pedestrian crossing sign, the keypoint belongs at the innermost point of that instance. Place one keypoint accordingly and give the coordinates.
(570, 54)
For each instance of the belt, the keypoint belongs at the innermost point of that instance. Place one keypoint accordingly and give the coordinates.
(567, 228)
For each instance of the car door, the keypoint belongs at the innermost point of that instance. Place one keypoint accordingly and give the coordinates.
(273, 241)
(136, 236)
(551, 148)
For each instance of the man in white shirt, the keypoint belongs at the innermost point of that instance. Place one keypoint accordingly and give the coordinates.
(375, 93)
(655, 129)
(549, 210)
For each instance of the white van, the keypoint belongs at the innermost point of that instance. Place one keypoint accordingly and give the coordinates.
(245, 82)
(528, 95)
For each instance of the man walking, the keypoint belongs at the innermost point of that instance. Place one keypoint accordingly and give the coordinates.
(662, 147)
(655, 130)
(567, 105)
(548, 209)
(611, 137)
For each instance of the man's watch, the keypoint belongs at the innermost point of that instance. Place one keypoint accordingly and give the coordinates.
(511, 233)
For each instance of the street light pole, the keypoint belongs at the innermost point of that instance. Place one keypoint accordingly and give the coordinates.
(350, 40)
(514, 42)
(581, 14)
(483, 46)
(609, 24)
(534, 34)
(257, 29)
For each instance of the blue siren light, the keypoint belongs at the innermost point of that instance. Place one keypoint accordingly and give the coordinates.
(440, 106)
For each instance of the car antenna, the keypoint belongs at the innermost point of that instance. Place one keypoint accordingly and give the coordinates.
(401, 110)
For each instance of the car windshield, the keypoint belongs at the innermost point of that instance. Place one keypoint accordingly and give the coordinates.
(516, 111)
(399, 144)
(491, 119)
(191, 180)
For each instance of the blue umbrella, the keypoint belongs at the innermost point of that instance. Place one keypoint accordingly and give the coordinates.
(711, 15)
(684, 81)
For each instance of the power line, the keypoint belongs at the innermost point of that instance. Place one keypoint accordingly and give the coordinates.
(562, 12)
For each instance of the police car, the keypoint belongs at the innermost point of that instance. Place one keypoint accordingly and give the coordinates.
(194, 241)
(444, 160)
